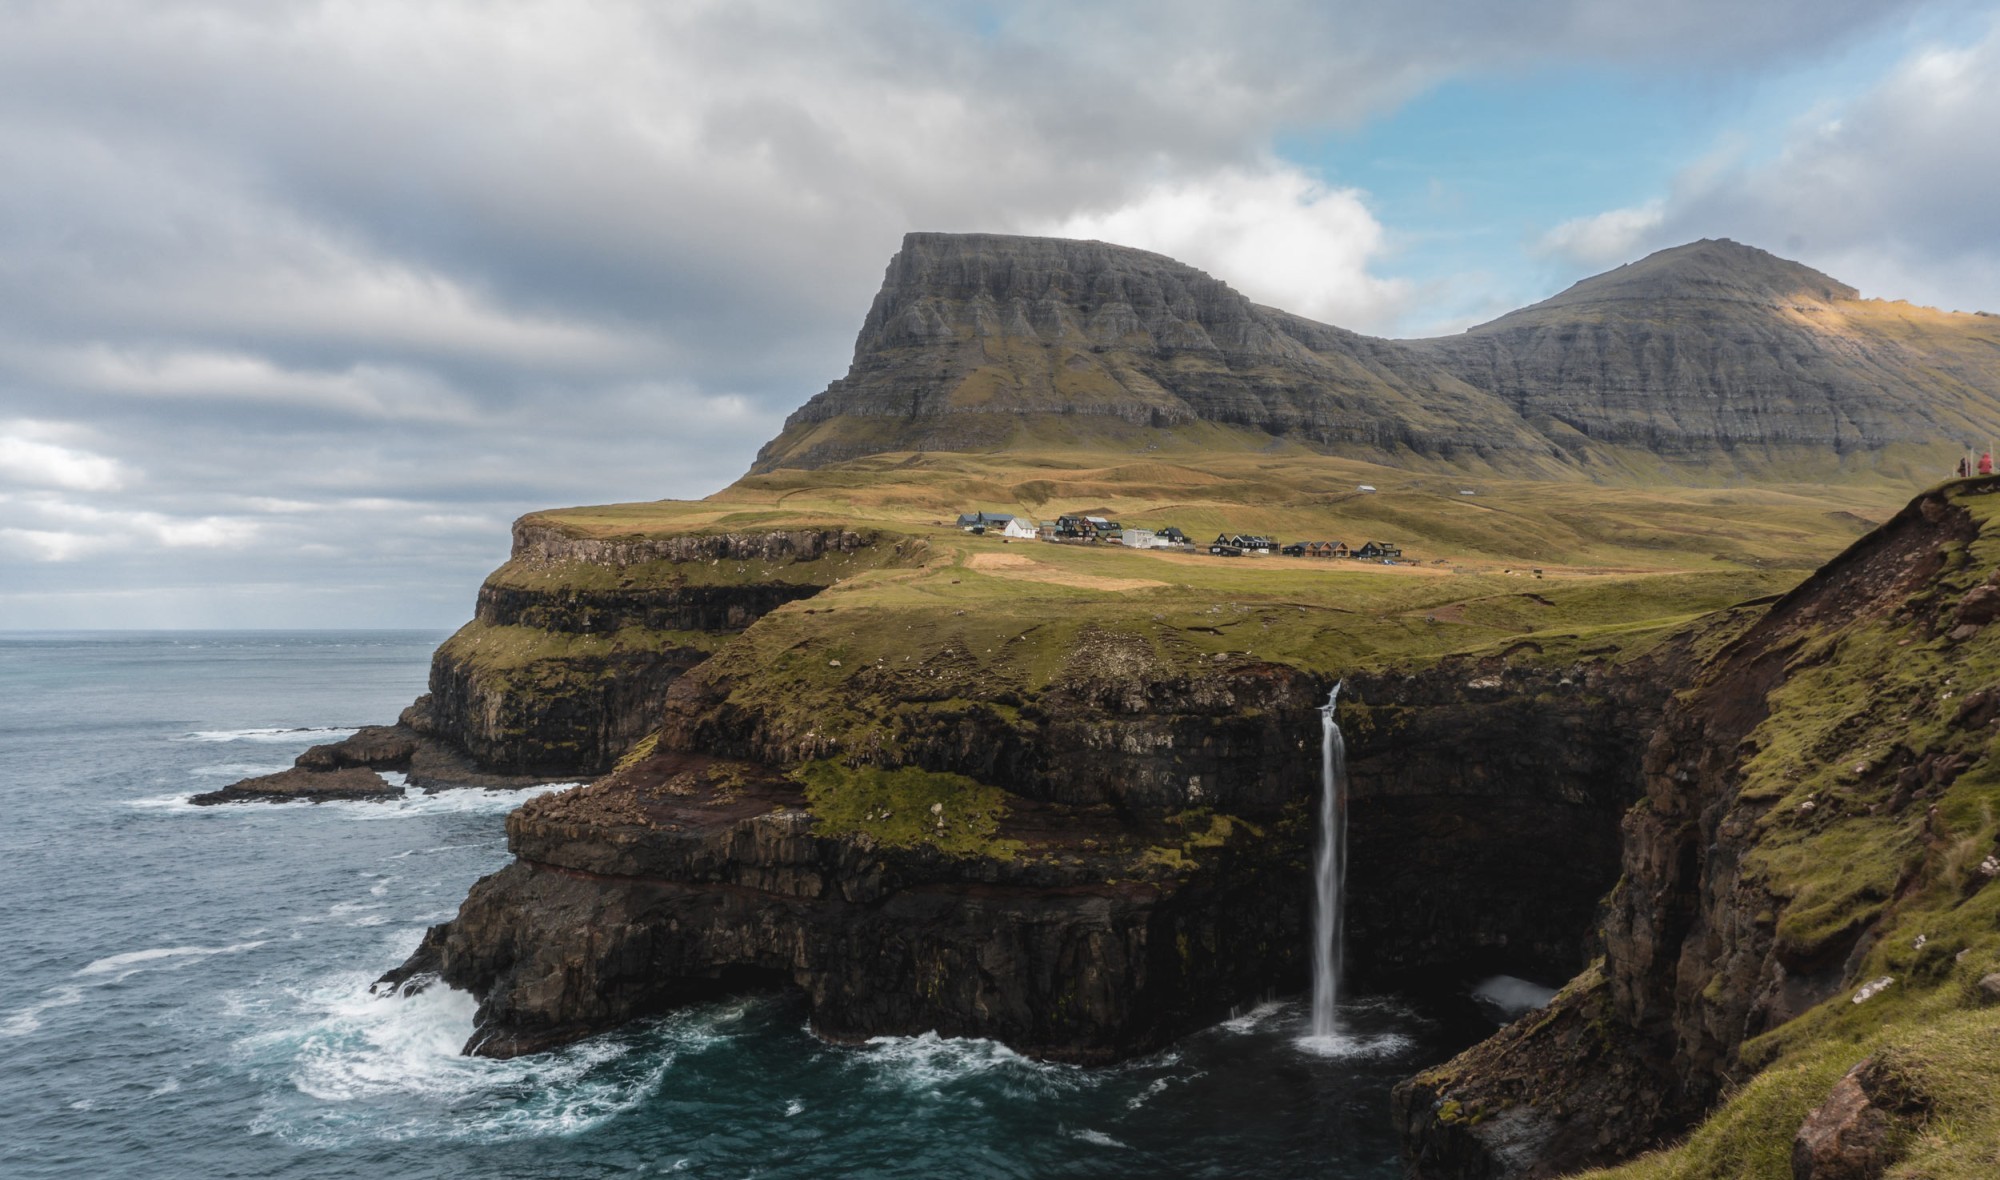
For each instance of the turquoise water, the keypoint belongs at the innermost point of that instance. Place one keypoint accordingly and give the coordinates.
(186, 990)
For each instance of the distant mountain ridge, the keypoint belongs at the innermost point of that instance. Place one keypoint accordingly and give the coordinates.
(1713, 353)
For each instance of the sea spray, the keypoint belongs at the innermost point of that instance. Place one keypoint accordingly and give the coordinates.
(1329, 871)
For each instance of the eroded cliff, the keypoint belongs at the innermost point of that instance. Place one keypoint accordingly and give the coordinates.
(1805, 890)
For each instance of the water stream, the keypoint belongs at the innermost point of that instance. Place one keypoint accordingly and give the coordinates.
(1329, 871)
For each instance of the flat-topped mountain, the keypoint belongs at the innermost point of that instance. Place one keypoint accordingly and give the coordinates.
(984, 341)
(1708, 359)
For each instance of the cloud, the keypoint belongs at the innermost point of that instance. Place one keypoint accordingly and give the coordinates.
(1888, 190)
(325, 289)
(1606, 238)
(1282, 237)
(26, 457)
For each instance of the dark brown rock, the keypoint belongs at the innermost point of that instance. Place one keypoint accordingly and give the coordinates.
(684, 878)
(1846, 1137)
(1693, 962)
(302, 784)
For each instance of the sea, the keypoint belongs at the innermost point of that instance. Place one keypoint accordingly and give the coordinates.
(186, 990)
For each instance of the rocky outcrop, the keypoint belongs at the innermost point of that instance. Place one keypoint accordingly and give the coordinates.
(1859, 1131)
(572, 648)
(1782, 830)
(683, 877)
(303, 785)
(576, 640)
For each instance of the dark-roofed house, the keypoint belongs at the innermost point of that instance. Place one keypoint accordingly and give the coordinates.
(979, 522)
(1379, 551)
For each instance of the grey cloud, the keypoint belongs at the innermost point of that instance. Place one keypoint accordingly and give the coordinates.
(1889, 190)
(337, 289)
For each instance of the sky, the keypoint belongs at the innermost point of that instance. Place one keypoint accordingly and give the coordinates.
(302, 303)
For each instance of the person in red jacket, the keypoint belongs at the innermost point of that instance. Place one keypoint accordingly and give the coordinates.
(1986, 463)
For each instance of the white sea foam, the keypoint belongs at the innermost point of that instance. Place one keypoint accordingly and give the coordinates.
(272, 736)
(389, 1068)
(132, 961)
(1355, 1045)
(1248, 1021)
(414, 803)
(794, 1107)
(454, 801)
(239, 770)
(1098, 1137)
(929, 1063)
(28, 1019)
(1512, 996)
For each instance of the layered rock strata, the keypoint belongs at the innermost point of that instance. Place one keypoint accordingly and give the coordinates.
(1800, 800)
(1712, 355)
(573, 645)
(683, 877)
(1149, 868)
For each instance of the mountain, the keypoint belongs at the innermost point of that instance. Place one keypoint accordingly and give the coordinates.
(1710, 358)
(983, 341)
(1716, 346)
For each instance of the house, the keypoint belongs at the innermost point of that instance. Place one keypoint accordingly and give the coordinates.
(1020, 530)
(1137, 538)
(1295, 549)
(1327, 549)
(1222, 549)
(979, 522)
(1248, 542)
(1170, 536)
(1378, 551)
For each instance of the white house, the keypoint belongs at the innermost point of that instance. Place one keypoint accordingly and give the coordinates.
(1137, 538)
(1019, 529)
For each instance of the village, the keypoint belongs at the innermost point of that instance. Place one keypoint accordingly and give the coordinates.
(1080, 529)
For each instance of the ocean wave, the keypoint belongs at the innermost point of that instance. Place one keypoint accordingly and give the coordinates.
(389, 1068)
(132, 961)
(239, 770)
(270, 735)
(452, 801)
(932, 1063)
(29, 1019)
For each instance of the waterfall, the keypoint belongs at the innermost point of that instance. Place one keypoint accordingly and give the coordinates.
(1330, 870)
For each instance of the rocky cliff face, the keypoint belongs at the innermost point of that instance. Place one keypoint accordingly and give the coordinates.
(974, 334)
(1811, 821)
(1141, 864)
(1709, 353)
(576, 640)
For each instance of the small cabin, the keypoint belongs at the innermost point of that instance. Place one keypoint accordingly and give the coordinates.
(1171, 536)
(980, 522)
(1295, 549)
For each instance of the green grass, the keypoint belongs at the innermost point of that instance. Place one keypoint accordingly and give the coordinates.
(908, 808)
(1840, 851)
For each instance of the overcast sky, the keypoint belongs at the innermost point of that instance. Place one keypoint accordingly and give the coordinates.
(301, 304)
